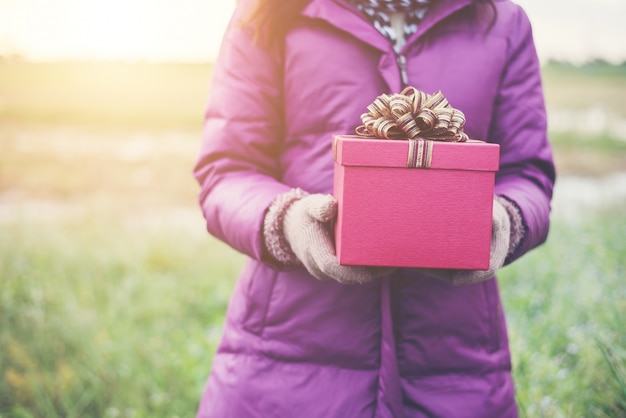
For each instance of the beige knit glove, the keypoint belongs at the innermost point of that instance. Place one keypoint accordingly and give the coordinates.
(507, 232)
(302, 222)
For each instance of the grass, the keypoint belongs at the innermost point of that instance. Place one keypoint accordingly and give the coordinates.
(112, 296)
(594, 84)
(103, 318)
(588, 154)
(566, 303)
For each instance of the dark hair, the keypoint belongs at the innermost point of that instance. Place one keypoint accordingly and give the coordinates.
(492, 14)
(271, 19)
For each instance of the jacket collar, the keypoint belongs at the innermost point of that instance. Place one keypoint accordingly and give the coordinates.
(343, 15)
(439, 11)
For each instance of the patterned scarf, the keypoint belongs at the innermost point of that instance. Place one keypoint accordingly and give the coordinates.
(378, 11)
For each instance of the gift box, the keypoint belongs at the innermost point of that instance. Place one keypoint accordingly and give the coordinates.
(414, 203)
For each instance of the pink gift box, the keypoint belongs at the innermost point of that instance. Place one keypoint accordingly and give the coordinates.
(393, 215)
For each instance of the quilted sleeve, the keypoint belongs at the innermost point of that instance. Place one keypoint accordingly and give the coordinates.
(238, 163)
(527, 172)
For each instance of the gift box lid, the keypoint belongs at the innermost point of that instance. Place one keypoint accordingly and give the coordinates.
(473, 155)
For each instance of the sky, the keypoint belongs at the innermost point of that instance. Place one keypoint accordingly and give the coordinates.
(191, 30)
(179, 30)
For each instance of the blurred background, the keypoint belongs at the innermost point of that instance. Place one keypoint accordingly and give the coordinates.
(112, 295)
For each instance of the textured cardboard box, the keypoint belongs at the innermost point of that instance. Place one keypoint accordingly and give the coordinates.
(393, 215)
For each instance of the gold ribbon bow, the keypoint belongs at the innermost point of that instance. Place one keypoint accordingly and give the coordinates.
(413, 114)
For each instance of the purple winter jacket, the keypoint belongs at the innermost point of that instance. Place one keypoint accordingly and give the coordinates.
(408, 345)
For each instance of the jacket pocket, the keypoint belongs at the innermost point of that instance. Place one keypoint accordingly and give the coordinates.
(260, 285)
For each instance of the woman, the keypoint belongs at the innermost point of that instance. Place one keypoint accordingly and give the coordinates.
(301, 338)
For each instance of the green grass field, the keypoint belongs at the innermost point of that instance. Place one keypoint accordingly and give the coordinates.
(112, 296)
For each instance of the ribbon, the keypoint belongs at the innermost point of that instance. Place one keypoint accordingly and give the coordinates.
(420, 153)
(413, 114)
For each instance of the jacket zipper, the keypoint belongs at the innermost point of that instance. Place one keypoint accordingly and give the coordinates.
(401, 59)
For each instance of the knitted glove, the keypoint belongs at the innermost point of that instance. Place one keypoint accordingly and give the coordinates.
(296, 232)
(507, 232)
